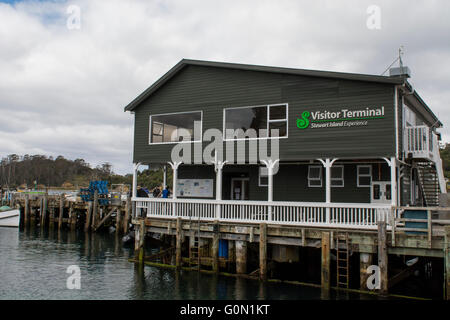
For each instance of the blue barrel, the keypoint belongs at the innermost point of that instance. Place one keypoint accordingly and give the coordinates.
(416, 214)
(223, 249)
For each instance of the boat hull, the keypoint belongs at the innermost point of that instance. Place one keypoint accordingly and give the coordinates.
(10, 218)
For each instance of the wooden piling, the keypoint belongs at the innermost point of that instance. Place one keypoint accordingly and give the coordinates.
(179, 235)
(27, 209)
(41, 209)
(325, 268)
(88, 217)
(126, 218)
(382, 257)
(44, 211)
(241, 257)
(61, 211)
(365, 261)
(140, 241)
(447, 263)
(95, 210)
(72, 217)
(263, 251)
(118, 220)
(215, 248)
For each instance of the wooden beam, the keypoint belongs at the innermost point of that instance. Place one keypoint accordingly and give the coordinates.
(325, 269)
(95, 209)
(215, 249)
(105, 218)
(126, 218)
(178, 261)
(139, 241)
(241, 257)
(61, 211)
(447, 263)
(88, 217)
(263, 251)
(383, 257)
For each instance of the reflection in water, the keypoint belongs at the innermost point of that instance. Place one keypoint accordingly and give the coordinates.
(33, 265)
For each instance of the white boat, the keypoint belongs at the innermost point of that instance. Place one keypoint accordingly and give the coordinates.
(9, 217)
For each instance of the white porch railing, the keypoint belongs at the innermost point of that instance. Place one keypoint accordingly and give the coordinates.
(336, 215)
(417, 141)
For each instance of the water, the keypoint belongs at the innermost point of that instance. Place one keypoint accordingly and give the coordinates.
(33, 265)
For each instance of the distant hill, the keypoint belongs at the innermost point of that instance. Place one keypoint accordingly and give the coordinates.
(30, 170)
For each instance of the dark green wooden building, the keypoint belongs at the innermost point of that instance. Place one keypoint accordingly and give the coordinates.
(336, 137)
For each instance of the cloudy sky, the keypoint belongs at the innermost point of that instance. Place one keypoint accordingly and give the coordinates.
(63, 88)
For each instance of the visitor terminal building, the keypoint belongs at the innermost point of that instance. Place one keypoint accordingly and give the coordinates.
(260, 144)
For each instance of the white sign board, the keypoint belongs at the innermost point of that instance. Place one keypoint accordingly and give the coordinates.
(197, 188)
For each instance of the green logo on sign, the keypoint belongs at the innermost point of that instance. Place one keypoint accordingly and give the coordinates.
(303, 123)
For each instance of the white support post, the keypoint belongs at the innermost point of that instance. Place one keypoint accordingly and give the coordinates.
(327, 163)
(270, 164)
(174, 166)
(393, 165)
(165, 177)
(218, 167)
(135, 174)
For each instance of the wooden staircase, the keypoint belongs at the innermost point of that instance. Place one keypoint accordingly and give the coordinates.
(342, 260)
(429, 183)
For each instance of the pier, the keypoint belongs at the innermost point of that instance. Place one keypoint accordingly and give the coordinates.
(332, 256)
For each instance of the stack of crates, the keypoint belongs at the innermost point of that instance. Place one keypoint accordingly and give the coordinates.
(87, 194)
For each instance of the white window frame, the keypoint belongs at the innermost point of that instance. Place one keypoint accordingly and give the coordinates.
(315, 179)
(364, 175)
(268, 121)
(175, 142)
(259, 178)
(338, 179)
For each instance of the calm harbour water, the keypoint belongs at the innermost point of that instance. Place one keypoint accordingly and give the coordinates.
(33, 265)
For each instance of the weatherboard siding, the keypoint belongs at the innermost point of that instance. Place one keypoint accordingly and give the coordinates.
(212, 89)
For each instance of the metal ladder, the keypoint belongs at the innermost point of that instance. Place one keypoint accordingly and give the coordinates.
(342, 260)
(194, 251)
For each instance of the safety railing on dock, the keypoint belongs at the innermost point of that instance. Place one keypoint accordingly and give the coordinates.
(344, 215)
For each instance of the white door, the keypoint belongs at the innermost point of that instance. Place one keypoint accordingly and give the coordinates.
(380, 192)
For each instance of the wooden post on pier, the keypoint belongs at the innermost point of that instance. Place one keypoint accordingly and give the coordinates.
(179, 236)
(72, 217)
(88, 217)
(263, 251)
(27, 209)
(241, 257)
(61, 211)
(447, 263)
(139, 241)
(126, 218)
(215, 247)
(44, 211)
(365, 261)
(118, 220)
(382, 257)
(325, 269)
(95, 210)
(41, 209)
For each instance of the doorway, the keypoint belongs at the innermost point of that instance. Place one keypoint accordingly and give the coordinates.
(239, 188)
(381, 192)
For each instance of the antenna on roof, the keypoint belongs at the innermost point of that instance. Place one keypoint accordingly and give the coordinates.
(401, 71)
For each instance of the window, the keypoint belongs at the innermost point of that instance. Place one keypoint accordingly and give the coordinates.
(315, 176)
(364, 176)
(259, 121)
(337, 176)
(263, 178)
(176, 127)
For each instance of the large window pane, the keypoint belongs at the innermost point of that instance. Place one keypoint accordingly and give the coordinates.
(280, 126)
(246, 118)
(176, 127)
(277, 112)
